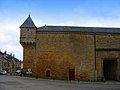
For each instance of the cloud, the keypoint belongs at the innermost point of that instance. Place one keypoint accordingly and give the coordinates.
(9, 39)
(92, 16)
(101, 14)
(89, 22)
(14, 49)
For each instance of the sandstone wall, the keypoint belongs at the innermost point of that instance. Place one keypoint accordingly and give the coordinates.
(108, 41)
(59, 52)
(107, 47)
(28, 58)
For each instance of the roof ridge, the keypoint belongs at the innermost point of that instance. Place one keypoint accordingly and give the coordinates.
(78, 29)
(82, 27)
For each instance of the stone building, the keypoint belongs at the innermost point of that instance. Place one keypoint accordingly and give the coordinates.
(9, 63)
(69, 52)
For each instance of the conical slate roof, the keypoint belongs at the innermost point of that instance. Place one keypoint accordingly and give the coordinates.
(28, 23)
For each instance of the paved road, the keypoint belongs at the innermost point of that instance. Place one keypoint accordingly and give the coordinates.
(23, 83)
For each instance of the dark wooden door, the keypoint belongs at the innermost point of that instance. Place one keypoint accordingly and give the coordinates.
(47, 73)
(71, 74)
(110, 67)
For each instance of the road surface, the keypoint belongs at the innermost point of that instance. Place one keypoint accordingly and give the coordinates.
(24, 83)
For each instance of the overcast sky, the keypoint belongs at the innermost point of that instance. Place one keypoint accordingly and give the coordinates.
(92, 13)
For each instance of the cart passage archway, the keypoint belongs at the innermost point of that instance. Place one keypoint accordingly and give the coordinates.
(109, 69)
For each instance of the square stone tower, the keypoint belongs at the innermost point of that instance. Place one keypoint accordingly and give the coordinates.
(28, 41)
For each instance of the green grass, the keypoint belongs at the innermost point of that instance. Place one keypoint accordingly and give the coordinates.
(89, 81)
(61, 79)
(48, 78)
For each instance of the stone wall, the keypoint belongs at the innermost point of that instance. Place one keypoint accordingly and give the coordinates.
(107, 47)
(28, 58)
(108, 41)
(27, 35)
(59, 52)
(109, 55)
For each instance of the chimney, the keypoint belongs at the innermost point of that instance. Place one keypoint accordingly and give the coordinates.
(5, 52)
(13, 55)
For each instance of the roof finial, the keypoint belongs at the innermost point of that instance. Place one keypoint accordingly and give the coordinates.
(29, 14)
(28, 23)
